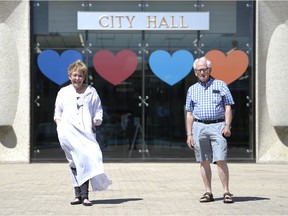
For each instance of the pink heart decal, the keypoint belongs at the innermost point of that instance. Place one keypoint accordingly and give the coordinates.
(228, 67)
(115, 69)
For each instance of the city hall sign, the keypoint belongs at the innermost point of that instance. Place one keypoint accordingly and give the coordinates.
(142, 20)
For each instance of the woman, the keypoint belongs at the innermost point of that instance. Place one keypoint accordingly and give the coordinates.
(78, 111)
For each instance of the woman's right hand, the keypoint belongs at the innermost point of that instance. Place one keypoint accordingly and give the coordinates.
(57, 121)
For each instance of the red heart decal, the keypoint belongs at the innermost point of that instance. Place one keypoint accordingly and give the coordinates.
(228, 68)
(115, 69)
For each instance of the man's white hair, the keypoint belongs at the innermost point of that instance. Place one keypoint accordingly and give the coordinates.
(202, 59)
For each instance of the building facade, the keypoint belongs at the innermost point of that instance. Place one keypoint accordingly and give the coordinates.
(140, 55)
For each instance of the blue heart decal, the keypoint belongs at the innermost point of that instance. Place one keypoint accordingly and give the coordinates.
(171, 69)
(55, 67)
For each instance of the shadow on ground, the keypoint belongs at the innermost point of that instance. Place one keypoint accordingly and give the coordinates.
(245, 199)
(115, 201)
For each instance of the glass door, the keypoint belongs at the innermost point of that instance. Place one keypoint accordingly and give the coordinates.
(165, 117)
(121, 97)
(121, 93)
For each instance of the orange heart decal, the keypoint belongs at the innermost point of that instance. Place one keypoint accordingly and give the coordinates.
(228, 67)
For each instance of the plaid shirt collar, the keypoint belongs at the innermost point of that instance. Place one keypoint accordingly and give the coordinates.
(206, 85)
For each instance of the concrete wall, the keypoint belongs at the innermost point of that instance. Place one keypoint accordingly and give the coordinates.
(272, 81)
(15, 81)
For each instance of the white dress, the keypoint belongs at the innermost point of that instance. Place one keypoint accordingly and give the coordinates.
(77, 139)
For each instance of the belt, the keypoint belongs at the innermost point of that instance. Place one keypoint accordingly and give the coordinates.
(209, 121)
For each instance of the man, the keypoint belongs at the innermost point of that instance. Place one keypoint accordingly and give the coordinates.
(209, 116)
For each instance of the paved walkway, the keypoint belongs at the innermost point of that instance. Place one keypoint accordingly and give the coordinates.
(144, 189)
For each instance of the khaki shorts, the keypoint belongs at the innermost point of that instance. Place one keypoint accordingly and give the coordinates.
(209, 143)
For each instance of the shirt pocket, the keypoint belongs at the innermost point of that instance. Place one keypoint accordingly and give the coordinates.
(216, 98)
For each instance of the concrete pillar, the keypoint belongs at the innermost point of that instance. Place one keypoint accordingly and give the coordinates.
(271, 81)
(15, 81)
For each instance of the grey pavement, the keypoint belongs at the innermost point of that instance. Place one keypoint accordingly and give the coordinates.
(144, 189)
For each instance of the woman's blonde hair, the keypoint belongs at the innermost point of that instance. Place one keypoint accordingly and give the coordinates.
(77, 65)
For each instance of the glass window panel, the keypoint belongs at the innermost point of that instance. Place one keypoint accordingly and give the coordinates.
(54, 27)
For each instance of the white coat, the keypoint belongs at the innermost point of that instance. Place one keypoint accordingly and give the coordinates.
(76, 136)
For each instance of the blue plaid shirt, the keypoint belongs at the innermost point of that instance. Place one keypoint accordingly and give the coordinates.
(208, 101)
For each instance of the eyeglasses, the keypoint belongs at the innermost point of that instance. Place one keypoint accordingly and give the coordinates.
(205, 70)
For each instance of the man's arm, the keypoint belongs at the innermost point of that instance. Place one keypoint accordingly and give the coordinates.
(228, 119)
(228, 115)
(189, 125)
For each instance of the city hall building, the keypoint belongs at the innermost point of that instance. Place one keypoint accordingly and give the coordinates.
(140, 58)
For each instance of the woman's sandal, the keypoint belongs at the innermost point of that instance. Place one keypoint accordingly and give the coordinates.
(86, 202)
(207, 197)
(76, 201)
(228, 197)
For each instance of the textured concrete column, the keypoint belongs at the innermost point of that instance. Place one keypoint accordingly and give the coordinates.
(15, 81)
(272, 81)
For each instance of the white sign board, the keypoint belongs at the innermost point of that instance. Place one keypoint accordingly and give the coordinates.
(142, 20)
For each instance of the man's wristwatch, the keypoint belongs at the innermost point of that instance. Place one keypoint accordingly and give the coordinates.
(227, 125)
